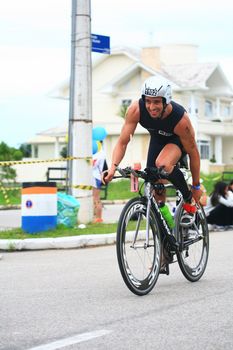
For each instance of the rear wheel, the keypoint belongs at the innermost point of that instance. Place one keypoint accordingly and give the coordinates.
(194, 244)
(138, 259)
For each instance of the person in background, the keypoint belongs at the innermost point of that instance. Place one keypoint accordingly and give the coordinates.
(230, 190)
(219, 208)
(99, 159)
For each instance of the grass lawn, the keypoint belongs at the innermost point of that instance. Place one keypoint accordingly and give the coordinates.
(60, 231)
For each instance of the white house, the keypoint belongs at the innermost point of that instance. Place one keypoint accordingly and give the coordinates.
(202, 88)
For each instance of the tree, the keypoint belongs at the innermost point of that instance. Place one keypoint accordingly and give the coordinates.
(8, 154)
(122, 111)
(26, 149)
(63, 152)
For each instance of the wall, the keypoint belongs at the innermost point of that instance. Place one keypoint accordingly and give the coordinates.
(178, 54)
(34, 172)
(227, 147)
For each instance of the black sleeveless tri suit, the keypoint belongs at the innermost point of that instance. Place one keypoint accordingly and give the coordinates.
(161, 130)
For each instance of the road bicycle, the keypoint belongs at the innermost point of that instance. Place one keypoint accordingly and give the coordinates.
(145, 244)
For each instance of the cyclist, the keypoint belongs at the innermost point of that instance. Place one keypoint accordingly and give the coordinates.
(171, 137)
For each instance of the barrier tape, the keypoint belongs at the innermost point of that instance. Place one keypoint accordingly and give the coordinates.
(21, 162)
(83, 187)
(14, 162)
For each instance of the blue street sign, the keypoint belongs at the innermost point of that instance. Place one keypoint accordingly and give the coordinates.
(100, 43)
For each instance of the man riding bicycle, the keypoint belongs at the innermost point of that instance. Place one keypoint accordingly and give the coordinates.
(172, 137)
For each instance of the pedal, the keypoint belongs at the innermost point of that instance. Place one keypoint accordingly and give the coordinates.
(187, 220)
(164, 270)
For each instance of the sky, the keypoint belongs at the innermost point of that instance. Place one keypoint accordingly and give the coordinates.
(35, 41)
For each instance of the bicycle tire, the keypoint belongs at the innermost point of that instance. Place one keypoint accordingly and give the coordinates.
(139, 264)
(193, 253)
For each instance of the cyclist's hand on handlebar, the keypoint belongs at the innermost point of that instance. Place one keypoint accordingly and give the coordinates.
(197, 194)
(107, 175)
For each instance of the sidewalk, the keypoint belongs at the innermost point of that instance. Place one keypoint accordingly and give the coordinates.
(12, 219)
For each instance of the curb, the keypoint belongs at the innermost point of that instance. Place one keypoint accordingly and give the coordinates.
(70, 242)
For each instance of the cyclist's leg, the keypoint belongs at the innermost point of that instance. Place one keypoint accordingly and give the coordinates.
(154, 150)
(168, 158)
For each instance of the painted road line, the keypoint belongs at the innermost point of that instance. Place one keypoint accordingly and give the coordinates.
(72, 340)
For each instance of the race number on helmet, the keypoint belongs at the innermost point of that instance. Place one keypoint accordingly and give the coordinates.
(157, 87)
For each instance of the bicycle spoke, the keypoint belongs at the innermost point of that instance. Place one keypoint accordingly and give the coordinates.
(194, 243)
(138, 260)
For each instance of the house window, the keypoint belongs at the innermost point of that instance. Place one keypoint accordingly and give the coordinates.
(226, 111)
(204, 149)
(209, 108)
(35, 151)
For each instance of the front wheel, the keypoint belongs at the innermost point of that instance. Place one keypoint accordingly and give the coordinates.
(193, 244)
(138, 255)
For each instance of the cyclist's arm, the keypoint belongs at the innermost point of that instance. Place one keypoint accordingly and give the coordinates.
(186, 134)
(131, 120)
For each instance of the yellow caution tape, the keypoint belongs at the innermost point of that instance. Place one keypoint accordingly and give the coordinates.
(4, 193)
(14, 162)
(83, 187)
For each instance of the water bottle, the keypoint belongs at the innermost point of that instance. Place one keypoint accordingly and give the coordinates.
(165, 211)
(134, 179)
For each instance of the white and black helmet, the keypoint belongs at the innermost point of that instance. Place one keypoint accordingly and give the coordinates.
(157, 87)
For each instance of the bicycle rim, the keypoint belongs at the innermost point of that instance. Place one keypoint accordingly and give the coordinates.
(138, 261)
(194, 246)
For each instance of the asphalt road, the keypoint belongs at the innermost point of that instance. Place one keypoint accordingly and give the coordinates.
(76, 299)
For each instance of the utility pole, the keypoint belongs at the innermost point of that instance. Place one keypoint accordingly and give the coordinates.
(80, 115)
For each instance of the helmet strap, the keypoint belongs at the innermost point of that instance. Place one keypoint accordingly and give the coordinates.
(164, 107)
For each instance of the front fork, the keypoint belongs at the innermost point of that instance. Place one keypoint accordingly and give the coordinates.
(148, 194)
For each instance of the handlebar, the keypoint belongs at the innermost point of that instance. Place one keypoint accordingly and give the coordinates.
(149, 174)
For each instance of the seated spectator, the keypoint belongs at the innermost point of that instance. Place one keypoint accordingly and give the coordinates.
(219, 208)
(230, 190)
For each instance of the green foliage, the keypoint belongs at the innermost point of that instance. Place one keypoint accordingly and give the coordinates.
(14, 197)
(26, 150)
(209, 181)
(122, 111)
(213, 159)
(8, 154)
(64, 152)
(121, 190)
(60, 231)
